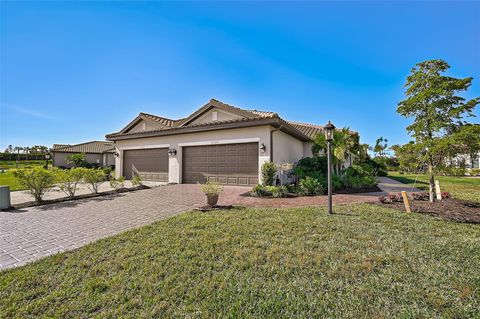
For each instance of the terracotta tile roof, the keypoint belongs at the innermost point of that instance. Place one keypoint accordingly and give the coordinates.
(161, 120)
(310, 130)
(302, 129)
(97, 147)
(55, 146)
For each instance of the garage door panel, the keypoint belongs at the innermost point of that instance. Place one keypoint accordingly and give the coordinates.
(232, 164)
(149, 164)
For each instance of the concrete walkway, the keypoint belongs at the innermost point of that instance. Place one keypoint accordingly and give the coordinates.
(389, 185)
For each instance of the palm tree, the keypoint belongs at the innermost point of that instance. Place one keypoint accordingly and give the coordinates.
(344, 145)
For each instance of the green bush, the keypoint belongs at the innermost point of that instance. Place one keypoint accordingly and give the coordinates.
(78, 160)
(269, 169)
(267, 191)
(68, 179)
(137, 181)
(315, 167)
(37, 180)
(117, 183)
(93, 178)
(357, 177)
(107, 172)
(311, 186)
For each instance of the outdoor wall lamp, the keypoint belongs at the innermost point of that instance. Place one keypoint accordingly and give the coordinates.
(116, 154)
(329, 129)
(172, 152)
(263, 148)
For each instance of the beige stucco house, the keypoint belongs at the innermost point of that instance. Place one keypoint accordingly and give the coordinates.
(99, 153)
(218, 142)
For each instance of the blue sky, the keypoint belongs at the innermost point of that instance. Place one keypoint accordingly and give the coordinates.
(75, 71)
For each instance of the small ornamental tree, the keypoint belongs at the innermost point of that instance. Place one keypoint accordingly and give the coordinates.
(37, 180)
(77, 160)
(93, 178)
(344, 144)
(432, 103)
(69, 179)
(269, 169)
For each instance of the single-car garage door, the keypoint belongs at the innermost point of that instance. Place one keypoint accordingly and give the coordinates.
(150, 164)
(230, 164)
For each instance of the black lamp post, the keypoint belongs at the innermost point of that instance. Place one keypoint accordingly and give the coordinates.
(329, 129)
(47, 157)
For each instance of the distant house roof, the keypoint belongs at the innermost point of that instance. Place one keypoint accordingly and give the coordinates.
(96, 147)
(164, 126)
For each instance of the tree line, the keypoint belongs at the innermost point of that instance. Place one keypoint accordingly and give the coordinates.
(19, 153)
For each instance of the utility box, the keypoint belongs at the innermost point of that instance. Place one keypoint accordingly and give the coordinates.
(4, 197)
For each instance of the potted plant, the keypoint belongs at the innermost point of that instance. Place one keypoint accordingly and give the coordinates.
(212, 190)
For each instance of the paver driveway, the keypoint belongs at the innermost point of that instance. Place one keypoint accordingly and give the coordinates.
(32, 233)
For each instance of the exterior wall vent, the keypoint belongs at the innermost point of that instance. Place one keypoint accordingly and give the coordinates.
(214, 116)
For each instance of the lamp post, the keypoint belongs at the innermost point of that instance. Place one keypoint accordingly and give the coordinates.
(329, 129)
(47, 157)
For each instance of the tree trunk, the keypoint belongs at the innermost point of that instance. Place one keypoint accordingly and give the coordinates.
(431, 179)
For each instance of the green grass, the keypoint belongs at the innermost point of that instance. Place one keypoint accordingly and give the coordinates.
(460, 187)
(7, 177)
(21, 164)
(367, 262)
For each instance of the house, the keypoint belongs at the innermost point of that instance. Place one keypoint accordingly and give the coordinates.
(99, 153)
(218, 142)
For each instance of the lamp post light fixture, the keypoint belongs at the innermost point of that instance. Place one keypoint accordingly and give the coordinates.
(172, 152)
(329, 129)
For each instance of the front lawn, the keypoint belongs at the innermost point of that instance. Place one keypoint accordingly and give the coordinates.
(364, 262)
(467, 188)
(7, 179)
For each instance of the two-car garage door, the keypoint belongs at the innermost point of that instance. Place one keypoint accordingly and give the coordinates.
(230, 164)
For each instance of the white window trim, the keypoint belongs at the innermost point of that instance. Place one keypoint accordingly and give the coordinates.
(229, 141)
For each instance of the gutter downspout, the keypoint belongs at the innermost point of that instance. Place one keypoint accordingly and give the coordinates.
(271, 141)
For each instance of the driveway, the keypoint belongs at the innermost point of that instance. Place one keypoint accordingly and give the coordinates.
(32, 233)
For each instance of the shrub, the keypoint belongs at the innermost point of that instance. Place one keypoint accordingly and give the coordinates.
(107, 172)
(315, 167)
(357, 177)
(311, 186)
(269, 169)
(267, 191)
(117, 183)
(446, 195)
(278, 191)
(37, 180)
(93, 178)
(259, 191)
(211, 188)
(394, 198)
(383, 199)
(420, 196)
(77, 160)
(68, 179)
(137, 181)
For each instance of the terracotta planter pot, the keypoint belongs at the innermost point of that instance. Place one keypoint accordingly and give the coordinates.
(212, 199)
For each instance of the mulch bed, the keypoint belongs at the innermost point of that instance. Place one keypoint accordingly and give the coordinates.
(451, 209)
(373, 189)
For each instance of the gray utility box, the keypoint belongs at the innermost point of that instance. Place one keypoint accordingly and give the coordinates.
(4, 197)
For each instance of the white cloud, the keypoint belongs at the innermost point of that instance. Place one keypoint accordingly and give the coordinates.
(29, 112)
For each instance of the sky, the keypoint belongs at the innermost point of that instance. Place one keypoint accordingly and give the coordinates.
(71, 72)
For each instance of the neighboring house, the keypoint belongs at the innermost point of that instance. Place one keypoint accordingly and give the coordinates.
(218, 142)
(100, 153)
(467, 161)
